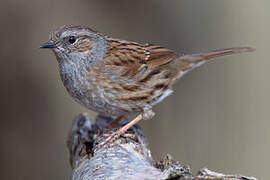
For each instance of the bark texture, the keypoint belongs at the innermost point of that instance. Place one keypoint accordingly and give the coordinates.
(127, 157)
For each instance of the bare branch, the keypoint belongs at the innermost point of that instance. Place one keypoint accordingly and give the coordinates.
(127, 157)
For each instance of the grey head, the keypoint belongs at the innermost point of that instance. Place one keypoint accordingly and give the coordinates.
(77, 48)
(77, 44)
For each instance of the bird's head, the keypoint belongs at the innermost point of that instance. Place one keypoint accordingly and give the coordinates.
(76, 44)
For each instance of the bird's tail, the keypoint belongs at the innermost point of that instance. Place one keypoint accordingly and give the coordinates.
(191, 61)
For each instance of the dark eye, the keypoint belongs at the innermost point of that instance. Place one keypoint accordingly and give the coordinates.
(71, 39)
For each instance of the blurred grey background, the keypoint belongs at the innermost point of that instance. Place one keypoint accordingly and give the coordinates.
(218, 116)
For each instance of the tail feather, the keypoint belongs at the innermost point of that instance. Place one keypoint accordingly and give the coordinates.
(195, 58)
(191, 61)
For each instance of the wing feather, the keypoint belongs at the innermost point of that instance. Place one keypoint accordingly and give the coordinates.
(135, 59)
(135, 73)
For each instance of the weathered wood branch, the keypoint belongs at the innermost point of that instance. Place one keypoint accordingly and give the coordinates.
(128, 157)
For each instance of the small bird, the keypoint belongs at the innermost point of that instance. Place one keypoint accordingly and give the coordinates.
(117, 77)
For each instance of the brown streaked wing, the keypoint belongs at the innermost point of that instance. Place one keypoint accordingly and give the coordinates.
(159, 55)
(136, 57)
(143, 71)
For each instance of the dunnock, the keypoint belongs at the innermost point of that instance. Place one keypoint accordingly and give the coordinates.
(118, 77)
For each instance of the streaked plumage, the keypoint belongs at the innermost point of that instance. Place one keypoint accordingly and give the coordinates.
(118, 77)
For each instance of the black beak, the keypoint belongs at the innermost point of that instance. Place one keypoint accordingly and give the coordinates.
(49, 44)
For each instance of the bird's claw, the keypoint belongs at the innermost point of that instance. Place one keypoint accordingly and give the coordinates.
(111, 138)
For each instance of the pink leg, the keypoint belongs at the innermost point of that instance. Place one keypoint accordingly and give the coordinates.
(145, 115)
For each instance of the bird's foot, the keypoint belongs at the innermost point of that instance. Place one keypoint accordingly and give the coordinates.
(121, 131)
(112, 137)
(147, 114)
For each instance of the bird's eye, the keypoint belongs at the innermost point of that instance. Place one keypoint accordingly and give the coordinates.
(71, 39)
